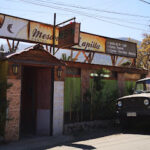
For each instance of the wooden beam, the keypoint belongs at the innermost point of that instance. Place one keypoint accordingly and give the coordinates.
(13, 43)
(86, 57)
(46, 47)
(120, 62)
(57, 50)
(71, 55)
(133, 64)
(76, 57)
(113, 60)
(8, 44)
(16, 46)
(111, 68)
(92, 56)
(116, 58)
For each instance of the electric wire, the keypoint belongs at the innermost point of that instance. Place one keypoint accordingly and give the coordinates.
(93, 9)
(85, 14)
(110, 18)
(93, 14)
(145, 1)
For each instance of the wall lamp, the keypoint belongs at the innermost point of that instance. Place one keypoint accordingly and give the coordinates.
(59, 72)
(15, 69)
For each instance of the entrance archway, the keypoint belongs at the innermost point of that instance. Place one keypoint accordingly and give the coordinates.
(36, 100)
(33, 90)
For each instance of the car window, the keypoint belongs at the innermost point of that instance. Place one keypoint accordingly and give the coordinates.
(143, 86)
(139, 87)
(148, 85)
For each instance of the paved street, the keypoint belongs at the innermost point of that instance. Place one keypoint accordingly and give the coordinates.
(112, 142)
(101, 139)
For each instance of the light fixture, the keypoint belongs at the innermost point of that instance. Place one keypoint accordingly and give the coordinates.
(146, 102)
(15, 69)
(59, 72)
(120, 103)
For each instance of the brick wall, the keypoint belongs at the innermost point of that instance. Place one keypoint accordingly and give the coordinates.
(85, 80)
(13, 112)
(121, 83)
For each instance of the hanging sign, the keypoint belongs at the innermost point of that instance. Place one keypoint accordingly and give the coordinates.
(69, 35)
(90, 42)
(42, 33)
(121, 48)
(26, 30)
(11, 27)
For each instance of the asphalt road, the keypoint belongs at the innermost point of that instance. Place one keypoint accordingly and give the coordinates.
(112, 142)
(107, 140)
(101, 139)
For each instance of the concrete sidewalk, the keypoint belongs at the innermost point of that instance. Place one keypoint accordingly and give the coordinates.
(35, 143)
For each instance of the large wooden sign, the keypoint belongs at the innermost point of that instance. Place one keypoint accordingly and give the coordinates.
(27, 30)
(69, 35)
(121, 48)
(91, 42)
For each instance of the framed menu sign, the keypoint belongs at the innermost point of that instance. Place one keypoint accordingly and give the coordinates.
(121, 48)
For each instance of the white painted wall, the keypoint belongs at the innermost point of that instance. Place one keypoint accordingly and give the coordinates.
(43, 122)
(58, 108)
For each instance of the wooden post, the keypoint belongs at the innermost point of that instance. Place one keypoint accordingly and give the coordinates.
(54, 27)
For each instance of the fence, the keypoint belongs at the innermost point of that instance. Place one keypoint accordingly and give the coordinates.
(94, 104)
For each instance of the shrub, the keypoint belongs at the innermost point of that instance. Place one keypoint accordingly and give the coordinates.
(3, 102)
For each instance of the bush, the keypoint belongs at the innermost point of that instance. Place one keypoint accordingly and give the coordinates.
(103, 96)
(3, 101)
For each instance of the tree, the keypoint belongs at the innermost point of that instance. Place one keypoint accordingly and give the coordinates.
(2, 48)
(3, 101)
(1, 51)
(143, 58)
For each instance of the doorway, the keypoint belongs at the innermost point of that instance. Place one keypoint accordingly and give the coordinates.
(36, 101)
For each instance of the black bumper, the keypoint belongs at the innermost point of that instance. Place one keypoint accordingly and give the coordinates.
(139, 113)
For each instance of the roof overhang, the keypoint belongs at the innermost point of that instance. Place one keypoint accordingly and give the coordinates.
(34, 56)
(111, 68)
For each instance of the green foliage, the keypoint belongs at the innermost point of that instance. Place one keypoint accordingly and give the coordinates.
(143, 57)
(103, 100)
(98, 102)
(98, 83)
(129, 86)
(86, 106)
(108, 100)
(72, 92)
(3, 102)
(126, 64)
(2, 48)
(65, 58)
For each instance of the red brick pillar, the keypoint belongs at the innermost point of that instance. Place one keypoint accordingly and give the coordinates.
(121, 83)
(148, 75)
(13, 111)
(85, 80)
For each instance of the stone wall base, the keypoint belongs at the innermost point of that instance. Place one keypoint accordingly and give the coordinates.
(82, 126)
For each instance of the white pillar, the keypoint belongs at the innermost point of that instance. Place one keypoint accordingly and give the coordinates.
(58, 108)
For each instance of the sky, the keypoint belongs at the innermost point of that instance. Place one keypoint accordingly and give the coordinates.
(96, 16)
